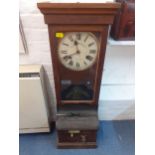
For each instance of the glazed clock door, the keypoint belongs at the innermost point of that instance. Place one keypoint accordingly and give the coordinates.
(77, 57)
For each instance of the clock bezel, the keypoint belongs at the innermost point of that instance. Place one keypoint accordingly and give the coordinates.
(97, 42)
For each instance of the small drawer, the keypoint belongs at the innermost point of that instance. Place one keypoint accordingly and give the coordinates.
(77, 136)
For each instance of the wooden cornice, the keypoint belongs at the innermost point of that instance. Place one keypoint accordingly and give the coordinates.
(78, 8)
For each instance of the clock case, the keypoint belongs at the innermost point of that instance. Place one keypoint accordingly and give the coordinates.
(77, 17)
(80, 86)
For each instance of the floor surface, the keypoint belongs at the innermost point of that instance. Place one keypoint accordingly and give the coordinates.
(114, 138)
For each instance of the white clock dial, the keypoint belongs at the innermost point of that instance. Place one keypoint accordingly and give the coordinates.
(78, 50)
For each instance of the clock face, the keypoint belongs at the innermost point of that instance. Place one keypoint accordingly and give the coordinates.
(78, 50)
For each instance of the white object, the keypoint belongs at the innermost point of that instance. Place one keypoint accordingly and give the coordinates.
(33, 113)
(22, 40)
(123, 43)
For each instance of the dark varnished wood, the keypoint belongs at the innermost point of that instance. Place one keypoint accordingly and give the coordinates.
(83, 139)
(74, 17)
(78, 17)
(76, 145)
(47, 5)
(59, 70)
(123, 27)
(78, 13)
(64, 136)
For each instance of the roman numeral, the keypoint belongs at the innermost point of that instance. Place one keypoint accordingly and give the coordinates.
(66, 58)
(86, 38)
(70, 38)
(92, 51)
(78, 36)
(71, 63)
(65, 44)
(88, 57)
(85, 63)
(77, 65)
(91, 44)
(64, 52)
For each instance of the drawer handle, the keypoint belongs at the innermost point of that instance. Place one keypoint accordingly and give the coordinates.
(72, 132)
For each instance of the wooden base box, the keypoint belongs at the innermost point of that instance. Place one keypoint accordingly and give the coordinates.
(76, 139)
(77, 131)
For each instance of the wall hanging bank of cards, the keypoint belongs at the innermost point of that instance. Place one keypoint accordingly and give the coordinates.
(78, 36)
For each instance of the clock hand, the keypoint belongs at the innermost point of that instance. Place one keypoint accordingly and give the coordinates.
(82, 44)
(72, 54)
(77, 48)
(77, 52)
(76, 43)
(67, 57)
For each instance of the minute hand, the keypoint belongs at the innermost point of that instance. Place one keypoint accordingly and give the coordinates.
(73, 54)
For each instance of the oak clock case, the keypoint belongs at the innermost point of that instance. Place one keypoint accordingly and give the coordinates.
(77, 54)
(78, 84)
(75, 85)
(77, 36)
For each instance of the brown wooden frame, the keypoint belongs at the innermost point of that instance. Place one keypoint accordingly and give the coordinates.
(79, 17)
(100, 61)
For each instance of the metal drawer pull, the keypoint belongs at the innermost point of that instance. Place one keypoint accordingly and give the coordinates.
(72, 132)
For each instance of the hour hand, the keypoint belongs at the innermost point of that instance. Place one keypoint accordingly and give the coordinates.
(67, 57)
(77, 52)
(76, 43)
